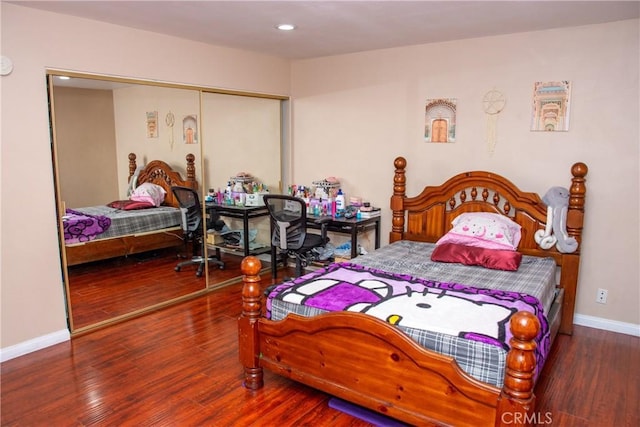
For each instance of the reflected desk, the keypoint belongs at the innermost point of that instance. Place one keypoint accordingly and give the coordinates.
(245, 213)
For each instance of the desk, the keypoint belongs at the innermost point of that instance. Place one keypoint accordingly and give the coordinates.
(245, 213)
(350, 226)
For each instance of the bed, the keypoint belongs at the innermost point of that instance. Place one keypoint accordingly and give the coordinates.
(115, 231)
(370, 362)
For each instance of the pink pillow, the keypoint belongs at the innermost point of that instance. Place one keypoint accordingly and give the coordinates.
(495, 259)
(150, 193)
(484, 230)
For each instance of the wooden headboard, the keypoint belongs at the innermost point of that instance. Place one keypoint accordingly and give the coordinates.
(160, 173)
(427, 216)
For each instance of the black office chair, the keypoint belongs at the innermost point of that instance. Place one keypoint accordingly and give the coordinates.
(289, 234)
(192, 226)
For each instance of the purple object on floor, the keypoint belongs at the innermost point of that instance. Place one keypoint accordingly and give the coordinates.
(364, 414)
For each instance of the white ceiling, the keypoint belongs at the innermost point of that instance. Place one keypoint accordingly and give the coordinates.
(327, 28)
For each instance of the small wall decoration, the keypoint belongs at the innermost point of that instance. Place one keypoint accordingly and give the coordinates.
(152, 124)
(493, 103)
(440, 120)
(170, 121)
(190, 129)
(551, 104)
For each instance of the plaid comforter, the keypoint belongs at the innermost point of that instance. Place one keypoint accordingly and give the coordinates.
(133, 222)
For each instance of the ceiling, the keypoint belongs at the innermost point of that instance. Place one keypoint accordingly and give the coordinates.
(327, 28)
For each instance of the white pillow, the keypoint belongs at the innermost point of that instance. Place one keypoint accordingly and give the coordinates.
(150, 193)
(484, 230)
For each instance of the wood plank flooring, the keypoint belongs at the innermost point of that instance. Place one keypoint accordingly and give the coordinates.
(106, 289)
(179, 367)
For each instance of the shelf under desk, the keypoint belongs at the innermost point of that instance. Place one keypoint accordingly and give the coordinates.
(245, 213)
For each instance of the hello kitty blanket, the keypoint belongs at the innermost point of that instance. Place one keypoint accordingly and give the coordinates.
(449, 308)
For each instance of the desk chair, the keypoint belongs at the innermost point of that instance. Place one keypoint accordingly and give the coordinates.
(192, 221)
(289, 234)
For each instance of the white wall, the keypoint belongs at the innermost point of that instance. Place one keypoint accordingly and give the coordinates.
(131, 105)
(353, 114)
(32, 303)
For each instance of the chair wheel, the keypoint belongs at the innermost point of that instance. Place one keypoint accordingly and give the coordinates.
(221, 267)
(177, 268)
(199, 274)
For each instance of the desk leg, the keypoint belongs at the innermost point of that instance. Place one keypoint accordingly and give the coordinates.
(354, 241)
(378, 233)
(274, 261)
(245, 225)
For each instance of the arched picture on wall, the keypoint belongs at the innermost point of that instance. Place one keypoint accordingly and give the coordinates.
(551, 104)
(440, 120)
(190, 129)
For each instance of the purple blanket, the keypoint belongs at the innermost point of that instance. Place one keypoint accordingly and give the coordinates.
(454, 309)
(80, 227)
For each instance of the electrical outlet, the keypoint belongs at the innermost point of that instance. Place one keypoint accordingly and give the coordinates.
(601, 296)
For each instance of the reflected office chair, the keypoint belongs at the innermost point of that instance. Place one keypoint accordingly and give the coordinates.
(289, 237)
(192, 221)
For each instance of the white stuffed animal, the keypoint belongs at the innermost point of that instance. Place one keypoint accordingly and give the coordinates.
(557, 201)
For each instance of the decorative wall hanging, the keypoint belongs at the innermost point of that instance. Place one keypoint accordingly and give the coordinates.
(152, 124)
(190, 129)
(551, 104)
(170, 121)
(493, 103)
(440, 120)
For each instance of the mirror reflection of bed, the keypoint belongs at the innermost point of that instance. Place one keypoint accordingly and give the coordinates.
(97, 122)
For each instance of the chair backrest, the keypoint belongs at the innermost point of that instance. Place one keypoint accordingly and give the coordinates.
(191, 209)
(288, 220)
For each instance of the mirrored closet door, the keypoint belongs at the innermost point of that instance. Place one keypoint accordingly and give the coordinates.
(111, 135)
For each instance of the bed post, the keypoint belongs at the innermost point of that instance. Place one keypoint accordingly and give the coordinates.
(191, 171)
(248, 323)
(516, 403)
(399, 192)
(571, 262)
(132, 165)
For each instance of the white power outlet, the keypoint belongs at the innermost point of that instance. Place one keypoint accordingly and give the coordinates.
(601, 296)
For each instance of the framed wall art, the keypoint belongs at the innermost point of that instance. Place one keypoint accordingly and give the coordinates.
(190, 129)
(551, 105)
(440, 120)
(152, 124)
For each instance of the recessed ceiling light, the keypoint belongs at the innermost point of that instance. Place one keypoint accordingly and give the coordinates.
(64, 77)
(286, 27)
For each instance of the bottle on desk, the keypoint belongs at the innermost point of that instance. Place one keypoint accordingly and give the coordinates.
(228, 199)
(340, 204)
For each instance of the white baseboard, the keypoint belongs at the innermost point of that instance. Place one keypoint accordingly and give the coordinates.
(34, 344)
(607, 325)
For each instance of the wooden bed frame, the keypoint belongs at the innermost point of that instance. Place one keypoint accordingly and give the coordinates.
(156, 172)
(373, 364)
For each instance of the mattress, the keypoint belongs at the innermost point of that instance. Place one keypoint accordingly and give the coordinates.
(536, 276)
(482, 360)
(125, 222)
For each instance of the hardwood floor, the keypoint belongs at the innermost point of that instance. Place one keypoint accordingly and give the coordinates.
(179, 367)
(110, 288)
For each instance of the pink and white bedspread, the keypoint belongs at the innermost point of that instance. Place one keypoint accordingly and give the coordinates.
(81, 227)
